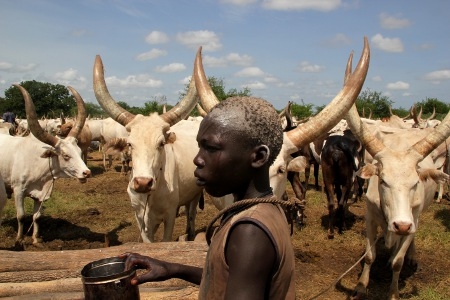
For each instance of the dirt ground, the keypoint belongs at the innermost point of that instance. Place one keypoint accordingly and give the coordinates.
(98, 213)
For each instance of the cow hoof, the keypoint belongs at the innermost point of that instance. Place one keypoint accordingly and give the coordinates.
(19, 245)
(330, 235)
(359, 293)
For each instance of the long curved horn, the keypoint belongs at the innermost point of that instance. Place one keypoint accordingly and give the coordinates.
(33, 123)
(289, 123)
(433, 114)
(437, 136)
(414, 114)
(81, 116)
(357, 126)
(333, 112)
(419, 116)
(370, 114)
(206, 94)
(114, 110)
(390, 110)
(201, 111)
(409, 114)
(183, 108)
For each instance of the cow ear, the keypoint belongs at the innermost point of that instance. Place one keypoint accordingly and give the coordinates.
(438, 176)
(171, 137)
(367, 171)
(298, 164)
(48, 153)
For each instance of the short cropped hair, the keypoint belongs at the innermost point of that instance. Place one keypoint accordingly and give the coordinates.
(255, 118)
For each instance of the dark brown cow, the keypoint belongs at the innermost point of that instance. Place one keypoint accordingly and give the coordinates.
(339, 160)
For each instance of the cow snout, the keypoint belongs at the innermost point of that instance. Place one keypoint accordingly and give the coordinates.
(142, 184)
(402, 228)
(87, 173)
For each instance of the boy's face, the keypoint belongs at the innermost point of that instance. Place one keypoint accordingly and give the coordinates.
(224, 159)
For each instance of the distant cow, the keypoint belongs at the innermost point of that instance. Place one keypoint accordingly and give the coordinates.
(119, 146)
(339, 160)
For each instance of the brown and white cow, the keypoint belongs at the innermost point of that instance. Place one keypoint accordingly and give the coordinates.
(162, 148)
(403, 181)
(306, 132)
(30, 164)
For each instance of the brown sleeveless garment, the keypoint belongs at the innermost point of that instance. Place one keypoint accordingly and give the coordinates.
(271, 219)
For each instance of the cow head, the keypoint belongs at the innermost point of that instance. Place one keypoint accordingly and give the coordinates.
(306, 132)
(405, 177)
(148, 135)
(66, 151)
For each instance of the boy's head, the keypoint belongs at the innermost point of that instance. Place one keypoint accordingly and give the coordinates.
(253, 119)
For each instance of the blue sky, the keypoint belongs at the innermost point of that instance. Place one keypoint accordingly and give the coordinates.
(283, 50)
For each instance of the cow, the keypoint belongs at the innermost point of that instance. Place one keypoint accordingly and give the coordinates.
(339, 161)
(162, 148)
(402, 183)
(304, 133)
(30, 164)
(119, 146)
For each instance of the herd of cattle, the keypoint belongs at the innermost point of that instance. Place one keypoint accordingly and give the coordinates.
(404, 161)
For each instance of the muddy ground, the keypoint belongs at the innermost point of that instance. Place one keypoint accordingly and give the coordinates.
(99, 214)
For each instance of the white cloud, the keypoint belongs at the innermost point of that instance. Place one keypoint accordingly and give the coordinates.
(239, 2)
(185, 80)
(271, 79)
(156, 37)
(232, 58)
(307, 67)
(70, 77)
(8, 67)
(320, 5)
(171, 68)
(5, 66)
(250, 72)
(391, 22)
(339, 39)
(377, 78)
(438, 76)
(399, 85)
(205, 38)
(257, 85)
(154, 53)
(140, 80)
(387, 44)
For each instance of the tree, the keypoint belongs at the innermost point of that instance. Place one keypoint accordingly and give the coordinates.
(301, 111)
(49, 99)
(375, 101)
(429, 104)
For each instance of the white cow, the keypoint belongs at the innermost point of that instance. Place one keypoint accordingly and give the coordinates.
(29, 165)
(163, 148)
(403, 181)
(304, 133)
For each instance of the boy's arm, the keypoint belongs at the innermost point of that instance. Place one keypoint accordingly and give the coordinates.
(159, 270)
(251, 257)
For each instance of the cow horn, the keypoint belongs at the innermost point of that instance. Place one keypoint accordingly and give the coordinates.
(81, 116)
(207, 97)
(183, 108)
(114, 110)
(287, 114)
(434, 139)
(357, 126)
(33, 123)
(333, 112)
(390, 110)
(433, 114)
(419, 116)
(201, 111)
(414, 114)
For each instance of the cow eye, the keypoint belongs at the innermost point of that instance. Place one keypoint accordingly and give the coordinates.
(281, 170)
(66, 157)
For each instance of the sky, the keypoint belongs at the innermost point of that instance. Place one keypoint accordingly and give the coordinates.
(282, 50)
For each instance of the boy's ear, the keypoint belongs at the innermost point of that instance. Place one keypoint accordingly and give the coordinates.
(260, 156)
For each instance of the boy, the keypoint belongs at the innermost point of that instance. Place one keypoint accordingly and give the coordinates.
(250, 255)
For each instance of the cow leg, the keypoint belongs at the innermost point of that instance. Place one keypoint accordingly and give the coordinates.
(36, 215)
(440, 192)
(307, 173)
(342, 207)
(169, 224)
(330, 199)
(397, 264)
(360, 291)
(190, 221)
(316, 176)
(3, 199)
(20, 214)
